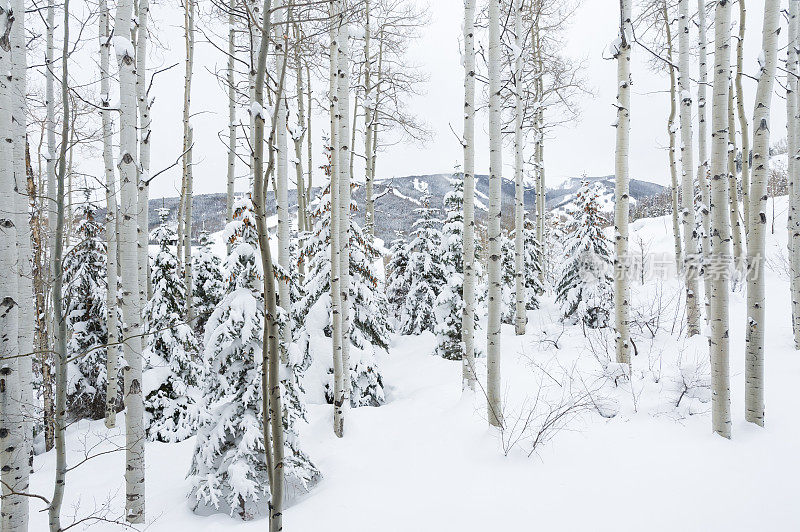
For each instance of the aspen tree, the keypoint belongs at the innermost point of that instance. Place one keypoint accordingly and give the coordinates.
(60, 344)
(231, 81)
(621, 207)
(673, 165)
(343, 87)
(112, 351)
(128, 244)
(145, 124)
(50, 126)
(733, 187)
(756, 317)
(691, 269)
(468, 318)
(12, 449)
(494, 406)
(339, 371)
(369, 121)
(792, 110)
(26, 301)
(743, 125)
(185, 216)
(702, 149)
(521, 317)
(282, 188)
(721, 258)
(303, 222)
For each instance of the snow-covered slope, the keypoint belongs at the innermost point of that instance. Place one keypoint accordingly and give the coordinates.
(426, 461)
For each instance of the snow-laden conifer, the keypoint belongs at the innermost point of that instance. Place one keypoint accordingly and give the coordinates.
(85, 314)
(171, 387)
(585, 291)
(425, 270)
(228, 472)
(398, 281)
(370, 328)
(208, 285)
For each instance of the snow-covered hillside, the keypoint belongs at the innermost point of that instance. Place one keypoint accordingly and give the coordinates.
(619, 455)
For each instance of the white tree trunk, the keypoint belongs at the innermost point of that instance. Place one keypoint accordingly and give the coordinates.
(692, 262)
(344, 201)
(128, 244)
(621, 208)
(112, 352)
(12, 449)
(369, 119)
(187, 158)
(468, 378)
(792, 110)
(26, 299)
(336, 301)
(493, 386)
(702, 149)
(521, 317)
(145, 123)
(282, 188)
(302, 199)
(743, 125)
(673, 165)
(721, 258)
(231, 69)
(756, 318)
(733, 187)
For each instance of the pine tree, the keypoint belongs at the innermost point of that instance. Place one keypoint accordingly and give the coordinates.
(172, 394)
(397, 275)
(228, 470)
(450, 301)
(369, 334)
(208, 284)
(85, 314)
(533, 265)
(426, 272)
(585, 290)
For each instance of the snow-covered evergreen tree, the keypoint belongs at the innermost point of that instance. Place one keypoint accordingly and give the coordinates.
(398, 280)
(585, 290)
(228, 470)
(85, 313)
(425, 270)
(450, 301)
(533, 264)
(207, 279)
(171, 386)
(507, 281)
(370, 330)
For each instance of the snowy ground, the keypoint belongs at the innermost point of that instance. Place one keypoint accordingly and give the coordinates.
(427, 461)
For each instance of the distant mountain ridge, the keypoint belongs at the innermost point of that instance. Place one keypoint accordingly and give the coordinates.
(397, 198)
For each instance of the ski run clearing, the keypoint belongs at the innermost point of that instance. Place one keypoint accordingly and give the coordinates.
(620, 456)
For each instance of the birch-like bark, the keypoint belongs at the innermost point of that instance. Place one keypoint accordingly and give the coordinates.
(12, 449)
(756, 303)
(299, 135)
(733, 186)
(282, 186)
(743, 124)
(188, 139)
(520, 318)
(541, 187)
(231, 69)
(336, 301)
(128, 248)
(468, 378)
(50, 125)
(112, 351)
(792, 110)
(621, 207)
(26, 301)
(702, 149)
(369, 118)
(673, 165)
(270, 373)
(145, 124)
(692, 263)
(721, 260)
(60, 347)
(343, 87)
(309, 147)
(493, 398)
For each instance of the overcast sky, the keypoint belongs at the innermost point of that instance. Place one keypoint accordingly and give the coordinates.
(585, 146)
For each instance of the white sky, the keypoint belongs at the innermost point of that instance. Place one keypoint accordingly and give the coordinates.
(586, 146)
